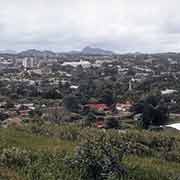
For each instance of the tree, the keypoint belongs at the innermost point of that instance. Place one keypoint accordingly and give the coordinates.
(91, 118)
(111, 122)
(3, 116)
(52, 93)
(97, 159)
(148, 115)
(108, 97)
(154, 111)
(71, 103)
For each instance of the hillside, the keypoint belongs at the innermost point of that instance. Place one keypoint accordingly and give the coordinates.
(37, 53)
(38, 152)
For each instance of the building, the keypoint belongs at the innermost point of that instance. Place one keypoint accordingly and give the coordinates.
(25, 63)
(99, 107)
(28, 63)
(84, 64)
(168, 91)
(124, 107)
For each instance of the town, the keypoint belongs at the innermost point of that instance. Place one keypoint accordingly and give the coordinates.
(86, 88)
(89, 115)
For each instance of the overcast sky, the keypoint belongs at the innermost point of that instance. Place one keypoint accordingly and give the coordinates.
(63, 25)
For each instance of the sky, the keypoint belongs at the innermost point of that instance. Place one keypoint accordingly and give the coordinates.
(65, 25)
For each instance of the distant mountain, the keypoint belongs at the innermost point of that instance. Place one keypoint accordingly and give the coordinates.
(34, 52)
(7, 52)
(73, 52)
(49, 53)
(98, 51)
(87, 50)
(92, 51)
(31, 52)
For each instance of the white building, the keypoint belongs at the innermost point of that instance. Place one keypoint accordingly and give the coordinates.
(175, 126)
(168, 91)
(28, 63)
(84, 64)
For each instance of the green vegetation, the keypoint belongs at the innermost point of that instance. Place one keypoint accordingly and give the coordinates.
(72, 152)
(24, 140)
(152, 110)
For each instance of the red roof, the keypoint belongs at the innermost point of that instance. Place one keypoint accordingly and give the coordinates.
(98, 106)
(24, 112)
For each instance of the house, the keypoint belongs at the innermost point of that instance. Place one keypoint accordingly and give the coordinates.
(168, 91)
(124, 107)
(24, 113)
(84, 64)
(24, 109)
(74, 87)
(27, 106)
(175, 126)
(99, 107)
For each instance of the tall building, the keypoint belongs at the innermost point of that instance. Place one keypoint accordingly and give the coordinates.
(130, 85)
(25, 63)
(28, 62)
(31, 62)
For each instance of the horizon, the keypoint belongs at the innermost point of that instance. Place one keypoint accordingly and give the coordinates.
(79, 51)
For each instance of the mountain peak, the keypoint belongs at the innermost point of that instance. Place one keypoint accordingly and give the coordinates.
(35, 52)
(92, 50)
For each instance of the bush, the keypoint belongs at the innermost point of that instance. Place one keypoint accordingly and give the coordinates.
(173, 156)
(15, 157)
(65, 132)
(35, 165)
(111, 122)
(96, 159)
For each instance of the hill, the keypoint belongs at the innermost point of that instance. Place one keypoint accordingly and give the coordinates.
(38, 152)
(34, 52)
(94, 51)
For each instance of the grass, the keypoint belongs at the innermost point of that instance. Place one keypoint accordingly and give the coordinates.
(9, 174)
(18, 138)
(12, 137)
(149, 165)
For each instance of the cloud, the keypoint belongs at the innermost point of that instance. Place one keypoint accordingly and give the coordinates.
(62, 25)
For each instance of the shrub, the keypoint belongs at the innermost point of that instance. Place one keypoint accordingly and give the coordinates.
(172, 156)
(15, 157)
(111, 122)
(96, 159)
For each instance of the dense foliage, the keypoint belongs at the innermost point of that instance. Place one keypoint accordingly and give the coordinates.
(98, 160)
(153, 111)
